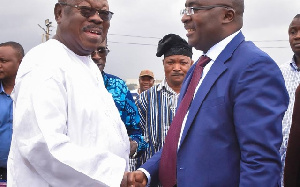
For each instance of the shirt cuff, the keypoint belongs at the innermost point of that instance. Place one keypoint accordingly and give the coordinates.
(147, 175)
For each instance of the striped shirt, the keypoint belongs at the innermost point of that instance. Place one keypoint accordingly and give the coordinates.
(157, 108)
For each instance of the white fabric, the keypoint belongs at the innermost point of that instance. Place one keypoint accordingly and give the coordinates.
(67, 130)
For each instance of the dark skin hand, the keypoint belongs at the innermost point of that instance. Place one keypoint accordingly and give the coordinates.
(134, 179)
(133, 147)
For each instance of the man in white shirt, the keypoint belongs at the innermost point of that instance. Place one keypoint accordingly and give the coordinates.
(67, 130)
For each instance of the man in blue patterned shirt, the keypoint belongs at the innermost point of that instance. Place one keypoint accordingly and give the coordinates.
(157, 105)
(124, 102)
(11, 54)
(291, 75)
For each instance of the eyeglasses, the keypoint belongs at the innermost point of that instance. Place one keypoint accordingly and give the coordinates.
(191, 10)
(87, 12)
(101, 50)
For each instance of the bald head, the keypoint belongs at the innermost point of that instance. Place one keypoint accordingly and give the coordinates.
(297, 16)
(206, 28)
(237, 18)
(238, 6)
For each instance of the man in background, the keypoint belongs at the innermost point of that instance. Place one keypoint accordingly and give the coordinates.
(11, 54)
(67, 129)
(291, 75)
(157, 105)
(146, 80)
(124, 102)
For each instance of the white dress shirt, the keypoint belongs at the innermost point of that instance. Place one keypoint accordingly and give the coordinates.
(66, 130)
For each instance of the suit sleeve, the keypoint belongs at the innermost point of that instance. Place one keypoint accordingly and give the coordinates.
(260, 100)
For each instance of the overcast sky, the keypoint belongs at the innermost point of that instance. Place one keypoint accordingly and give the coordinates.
(138, 25)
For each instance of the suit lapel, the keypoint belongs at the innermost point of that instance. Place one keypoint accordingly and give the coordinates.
(212, 76)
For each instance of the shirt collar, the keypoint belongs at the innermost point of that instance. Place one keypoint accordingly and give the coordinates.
(1, 87)
(216, 50)
(294, 65)
(165, 85)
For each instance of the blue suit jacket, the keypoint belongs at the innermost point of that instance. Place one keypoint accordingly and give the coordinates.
(233, 130)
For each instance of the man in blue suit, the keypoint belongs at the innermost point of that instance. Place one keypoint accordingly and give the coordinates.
(231, 133)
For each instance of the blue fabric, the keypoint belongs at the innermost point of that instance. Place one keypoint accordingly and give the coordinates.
(233, 130)
(127, 108)
(6, 118)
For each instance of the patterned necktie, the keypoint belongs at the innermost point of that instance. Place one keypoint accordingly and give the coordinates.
(167, 166)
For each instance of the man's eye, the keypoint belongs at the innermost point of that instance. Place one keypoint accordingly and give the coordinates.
(293, 32)
(86, 10)
(104, 12)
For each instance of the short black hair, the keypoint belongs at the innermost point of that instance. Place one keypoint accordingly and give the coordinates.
(16, 46)
(297, 16)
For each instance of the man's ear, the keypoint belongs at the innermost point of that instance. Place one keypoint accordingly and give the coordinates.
(58, 12)
(192, 62)
(19, 61)
(229, 15)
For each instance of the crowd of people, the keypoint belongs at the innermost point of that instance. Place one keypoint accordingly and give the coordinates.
(231, 118)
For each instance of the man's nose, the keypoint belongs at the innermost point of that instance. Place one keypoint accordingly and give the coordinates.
(96, 56)
(176, 67)
(297, 35)
(185, 18)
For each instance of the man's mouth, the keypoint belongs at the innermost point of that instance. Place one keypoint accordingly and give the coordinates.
(297, 45)
(93, 30)
(177, 74)
(190, 30)
(98, 63)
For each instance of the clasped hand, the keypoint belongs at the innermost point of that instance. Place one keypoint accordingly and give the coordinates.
(134, 179)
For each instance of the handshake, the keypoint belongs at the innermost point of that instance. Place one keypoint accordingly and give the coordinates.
(134, 179)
